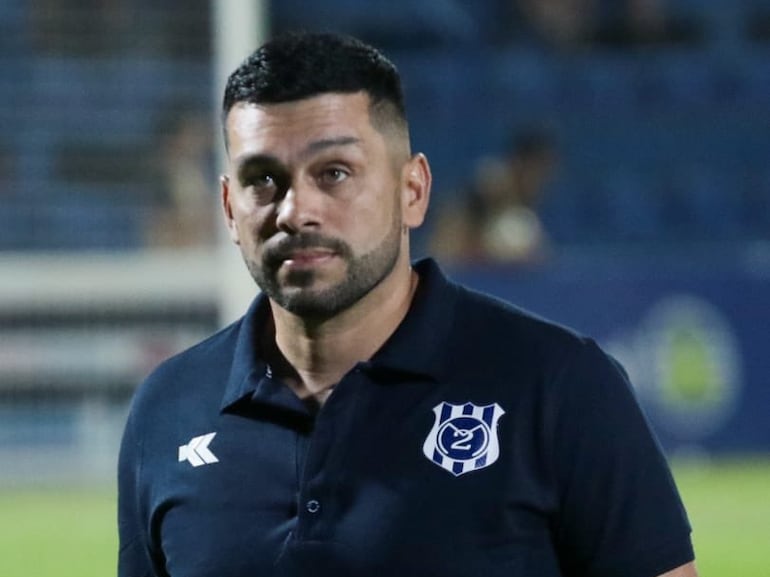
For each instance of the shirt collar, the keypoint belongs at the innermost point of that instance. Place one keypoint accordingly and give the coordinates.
(417, 347)
(248, 366)
(419, 343)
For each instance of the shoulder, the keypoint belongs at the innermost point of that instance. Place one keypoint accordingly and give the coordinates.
(517, 354)
(479, 334)
(480, 308)
(190, 372)
(491, 326)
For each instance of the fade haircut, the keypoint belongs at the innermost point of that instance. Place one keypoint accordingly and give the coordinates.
(302, 65)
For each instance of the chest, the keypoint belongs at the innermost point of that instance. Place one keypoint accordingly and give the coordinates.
(416, 482)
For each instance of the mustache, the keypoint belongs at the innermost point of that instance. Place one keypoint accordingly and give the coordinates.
(284, 248)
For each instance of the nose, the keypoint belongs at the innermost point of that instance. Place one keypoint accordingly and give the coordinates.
(298, 210)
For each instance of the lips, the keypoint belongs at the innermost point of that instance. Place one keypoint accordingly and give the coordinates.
(308, 256)
(303, 250)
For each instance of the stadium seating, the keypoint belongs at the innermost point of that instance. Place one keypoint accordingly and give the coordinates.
(662, 143)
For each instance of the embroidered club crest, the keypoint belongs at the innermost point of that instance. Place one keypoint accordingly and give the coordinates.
(463, 437)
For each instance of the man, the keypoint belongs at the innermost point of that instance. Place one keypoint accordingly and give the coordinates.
(367, 417)
(496, 218)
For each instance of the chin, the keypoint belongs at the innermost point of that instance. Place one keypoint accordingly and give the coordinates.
(318, 302)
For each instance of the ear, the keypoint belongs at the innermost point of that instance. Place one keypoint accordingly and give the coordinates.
(227, 209)
(415, 190)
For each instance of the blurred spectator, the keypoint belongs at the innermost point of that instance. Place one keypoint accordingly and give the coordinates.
(556, 23)
(179, 29)
(757, 23)
(497, 220)
(79, 27)
(184, 215)
(401, 24)
(645, 23)
(176, 29)
(575, 24)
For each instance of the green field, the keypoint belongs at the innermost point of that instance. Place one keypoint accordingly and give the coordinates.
(71, 533)
(729, 507)
(48, 533)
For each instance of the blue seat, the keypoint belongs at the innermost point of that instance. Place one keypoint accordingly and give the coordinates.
(16, 226)
(599, 84)
(633, 208)
(566, 213)
(387, 23)
(85, 217)
(756, 203)
(14, 32)
(677, 80)
(711, 203)
(526, 80)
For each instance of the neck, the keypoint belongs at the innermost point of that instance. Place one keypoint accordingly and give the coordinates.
(317, 354)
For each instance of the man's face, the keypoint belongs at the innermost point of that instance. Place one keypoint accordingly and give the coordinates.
(313, 198)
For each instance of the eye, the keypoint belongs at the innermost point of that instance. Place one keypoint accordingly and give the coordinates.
(263, 185)
(262, 181)
(333, 175)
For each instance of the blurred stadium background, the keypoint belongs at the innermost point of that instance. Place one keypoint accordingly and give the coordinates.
(111, 255)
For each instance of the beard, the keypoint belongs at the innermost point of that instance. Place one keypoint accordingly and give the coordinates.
(364, 273)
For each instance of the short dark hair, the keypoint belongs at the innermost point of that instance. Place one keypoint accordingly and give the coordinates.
(301, 65)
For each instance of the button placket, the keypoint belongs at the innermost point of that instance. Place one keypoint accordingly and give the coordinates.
(323, 461)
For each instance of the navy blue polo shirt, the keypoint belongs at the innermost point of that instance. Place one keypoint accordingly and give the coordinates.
(479, 440)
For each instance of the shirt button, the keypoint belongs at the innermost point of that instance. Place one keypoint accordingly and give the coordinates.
(312, 506)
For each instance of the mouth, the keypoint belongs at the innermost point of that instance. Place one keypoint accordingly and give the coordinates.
(307, 257)
(303, 252)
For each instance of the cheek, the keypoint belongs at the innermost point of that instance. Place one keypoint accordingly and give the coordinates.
(375, 221)
(253, 227)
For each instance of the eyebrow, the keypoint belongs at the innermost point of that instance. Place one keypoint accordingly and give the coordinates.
(314, 147)
(319, 145)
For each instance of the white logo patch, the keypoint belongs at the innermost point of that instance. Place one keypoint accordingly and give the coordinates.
(463, 437)
(197, 451)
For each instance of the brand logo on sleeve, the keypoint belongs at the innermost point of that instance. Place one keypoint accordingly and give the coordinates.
(197, 451)
(463, 437)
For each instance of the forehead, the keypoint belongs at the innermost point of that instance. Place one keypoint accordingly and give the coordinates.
(288, 126)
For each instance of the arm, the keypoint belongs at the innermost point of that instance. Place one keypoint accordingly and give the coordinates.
(133, 560)
(683, 571)
(620, 511)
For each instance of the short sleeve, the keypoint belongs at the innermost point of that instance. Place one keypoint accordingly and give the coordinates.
(133, 559)
(620, 513)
